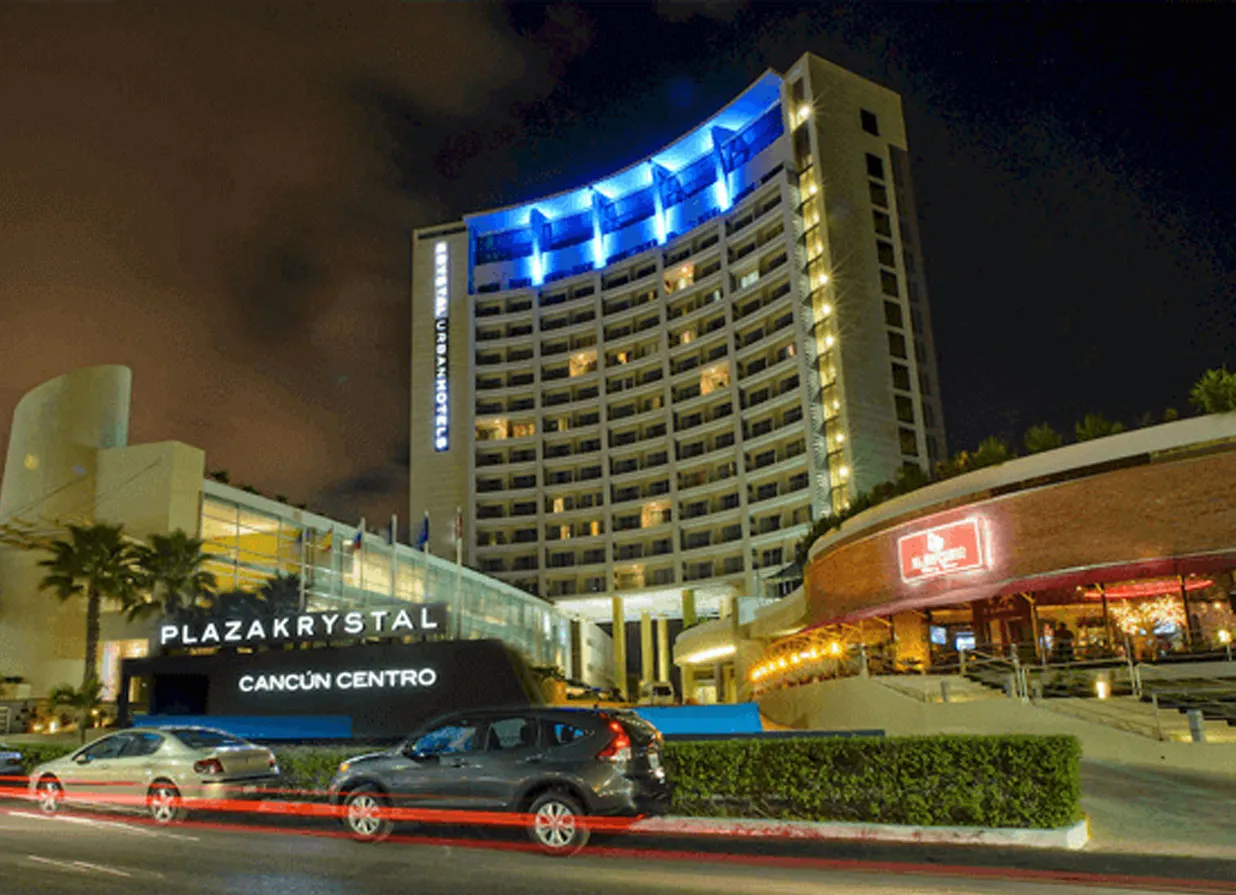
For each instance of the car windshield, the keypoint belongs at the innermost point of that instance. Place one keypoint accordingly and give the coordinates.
(205, 739)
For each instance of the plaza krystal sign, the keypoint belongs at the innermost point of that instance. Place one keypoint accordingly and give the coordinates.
(441, 336)
(306, 627)
(943, 550)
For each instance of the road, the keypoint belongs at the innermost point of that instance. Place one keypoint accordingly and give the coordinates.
(103, 855)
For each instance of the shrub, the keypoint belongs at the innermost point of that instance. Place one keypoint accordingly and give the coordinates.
(987, 781)
(307, 770)
(33, 754)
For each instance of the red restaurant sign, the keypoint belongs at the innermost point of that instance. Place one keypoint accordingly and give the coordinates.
(956, 547)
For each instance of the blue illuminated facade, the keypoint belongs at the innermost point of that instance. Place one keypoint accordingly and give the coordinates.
(650, 203)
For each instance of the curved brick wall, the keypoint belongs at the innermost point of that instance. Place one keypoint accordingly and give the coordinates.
(1175, 514)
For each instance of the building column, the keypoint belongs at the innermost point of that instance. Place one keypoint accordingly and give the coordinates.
(663, 653)
(688, 683)
(646, 656)
(718, 679)
(620, 648)
(688, 608)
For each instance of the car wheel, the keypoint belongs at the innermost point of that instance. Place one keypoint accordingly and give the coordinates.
(164, 803)
(50, 795)
(365, 814)
(558, 825)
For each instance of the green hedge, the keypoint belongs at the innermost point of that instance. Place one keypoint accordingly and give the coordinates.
(36, 753)
(987, 781)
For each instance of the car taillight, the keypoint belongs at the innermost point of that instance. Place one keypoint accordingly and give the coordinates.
(208, 766)
(270, 761)
(619, 747)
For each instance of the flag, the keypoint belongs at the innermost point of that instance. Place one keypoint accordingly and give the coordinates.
(421, 541)
(358, 539)
(458, 526)
(326, 542)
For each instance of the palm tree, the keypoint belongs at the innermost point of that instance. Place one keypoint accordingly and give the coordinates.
(281, 594)
(1096, 425)
(1215, 392)
(1042, 438)
(171, 573)
(80, 701)
(99, 562)
(991, 451)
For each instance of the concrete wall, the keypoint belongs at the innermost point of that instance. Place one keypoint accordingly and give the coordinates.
(151, 488)
(50, 476)
(866, 704)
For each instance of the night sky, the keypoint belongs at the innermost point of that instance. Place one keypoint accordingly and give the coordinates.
(220, 196)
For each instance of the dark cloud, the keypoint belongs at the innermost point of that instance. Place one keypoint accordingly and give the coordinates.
(200, 193)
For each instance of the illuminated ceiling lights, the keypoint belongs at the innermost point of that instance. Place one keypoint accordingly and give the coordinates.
(709, 655)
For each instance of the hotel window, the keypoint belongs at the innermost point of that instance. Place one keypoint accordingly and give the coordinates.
(748, 279)
(879, 195)
(888, 283)
(870, 123)
(875, 166)
(901, 377)
(909, 443)
(892, 314)
(884, 251)
(897, 345)
(905, 409)
(523, 430)
(582, 363)
(714, 378)
(679, 278)
(883, 223)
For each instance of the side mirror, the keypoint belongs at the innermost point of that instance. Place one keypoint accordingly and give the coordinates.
(82, 759)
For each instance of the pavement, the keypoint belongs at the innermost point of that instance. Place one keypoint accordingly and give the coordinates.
(111, 854)
(1158, 811)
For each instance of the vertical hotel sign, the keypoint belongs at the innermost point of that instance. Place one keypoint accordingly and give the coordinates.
(441, 363)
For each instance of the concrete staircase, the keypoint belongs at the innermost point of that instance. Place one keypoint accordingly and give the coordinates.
(932, 688)
(1128, 713)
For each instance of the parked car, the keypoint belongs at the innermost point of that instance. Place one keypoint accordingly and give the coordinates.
(558, 766)
(162, 771)
(659, 693)
(12, 775)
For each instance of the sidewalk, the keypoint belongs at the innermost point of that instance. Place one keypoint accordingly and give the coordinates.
(1153, 811)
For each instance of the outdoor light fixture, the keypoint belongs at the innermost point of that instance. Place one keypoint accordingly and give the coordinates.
(804, 111)
(708, 655)
(1225, 636)
(1102, 689)
(835, 648)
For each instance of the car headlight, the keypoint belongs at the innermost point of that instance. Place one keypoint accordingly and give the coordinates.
(343, 768)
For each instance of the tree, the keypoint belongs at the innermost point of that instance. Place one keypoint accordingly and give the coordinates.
(170, 571)
(1042, 438)
(1096, 425)
(96, 561)
(991, 451)
(1215, 392)
(81, 702)
(281, 595)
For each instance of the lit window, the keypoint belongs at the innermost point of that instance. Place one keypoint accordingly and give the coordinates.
(582, 362)
(679, 278)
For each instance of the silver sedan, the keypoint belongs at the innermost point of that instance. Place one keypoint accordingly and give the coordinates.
(162, 771)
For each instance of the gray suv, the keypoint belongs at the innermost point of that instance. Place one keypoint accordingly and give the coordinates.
(555, 766)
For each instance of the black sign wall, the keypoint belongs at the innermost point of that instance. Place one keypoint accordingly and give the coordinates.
(386, 689)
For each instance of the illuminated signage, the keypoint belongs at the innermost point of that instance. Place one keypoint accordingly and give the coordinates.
(441, 363)
(943, 550)
(307, 626)
(308, 681)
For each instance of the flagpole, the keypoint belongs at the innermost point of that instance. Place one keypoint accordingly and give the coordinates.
(394, 555)
(304, 561)
(361, 552)
(458, 573)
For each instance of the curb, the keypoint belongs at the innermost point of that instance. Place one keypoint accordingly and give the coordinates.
(1072, 838)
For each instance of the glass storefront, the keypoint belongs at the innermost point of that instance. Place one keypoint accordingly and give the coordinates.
(248, 545)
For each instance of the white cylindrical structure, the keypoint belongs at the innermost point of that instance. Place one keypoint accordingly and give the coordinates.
(49, 480)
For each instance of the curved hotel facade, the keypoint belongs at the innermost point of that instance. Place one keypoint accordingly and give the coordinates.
(640, 392)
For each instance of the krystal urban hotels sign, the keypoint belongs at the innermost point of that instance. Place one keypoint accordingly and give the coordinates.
(441, 334)
(943, 550)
